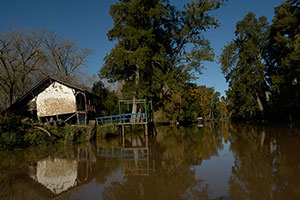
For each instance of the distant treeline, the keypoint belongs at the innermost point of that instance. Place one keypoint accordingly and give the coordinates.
(262, 66)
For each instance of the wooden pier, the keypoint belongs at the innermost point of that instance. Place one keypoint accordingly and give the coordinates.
(129, 119)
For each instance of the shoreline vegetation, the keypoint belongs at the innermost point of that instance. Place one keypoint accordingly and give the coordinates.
(17, 132)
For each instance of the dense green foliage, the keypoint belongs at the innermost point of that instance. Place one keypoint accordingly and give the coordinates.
(196, 101)
(15, 134)
(262, 67)
(283, 59)
(244, 69)
(106, 102)
(159, 49)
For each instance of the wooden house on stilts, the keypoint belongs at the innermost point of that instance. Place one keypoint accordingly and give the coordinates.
(52, 99)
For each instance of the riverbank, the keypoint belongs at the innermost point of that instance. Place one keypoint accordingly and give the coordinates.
(17, 133)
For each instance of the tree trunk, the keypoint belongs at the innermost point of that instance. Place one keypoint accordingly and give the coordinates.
(267, 96)
(261, 108)
(11, 95)
(137, 80)
(134, 108)
(266, 92)
(139, 116)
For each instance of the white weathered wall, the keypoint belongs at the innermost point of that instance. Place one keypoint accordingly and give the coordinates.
(57, 99)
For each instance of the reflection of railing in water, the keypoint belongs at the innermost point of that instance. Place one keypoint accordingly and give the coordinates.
(133, 161)
(135, 158)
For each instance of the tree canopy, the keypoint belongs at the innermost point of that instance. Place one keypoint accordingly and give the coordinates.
(243, 65)
(283, 59)
(159, 47)
(262, 63)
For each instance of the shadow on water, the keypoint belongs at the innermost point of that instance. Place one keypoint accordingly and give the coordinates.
(217, 161)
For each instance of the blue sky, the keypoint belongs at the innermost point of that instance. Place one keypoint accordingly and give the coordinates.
(87, 22)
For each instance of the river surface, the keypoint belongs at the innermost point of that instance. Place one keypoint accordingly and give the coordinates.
(216, 161)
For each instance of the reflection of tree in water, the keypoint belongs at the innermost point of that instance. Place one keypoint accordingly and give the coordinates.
(225, 130)
(107, 166)
(266, 163)
(175, 152)
(208, 143)
(159, 185)
(174, 155)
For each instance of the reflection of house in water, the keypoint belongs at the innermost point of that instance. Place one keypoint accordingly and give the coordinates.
(134, 155)
(57, 174)
(54, 176)
(60, 177)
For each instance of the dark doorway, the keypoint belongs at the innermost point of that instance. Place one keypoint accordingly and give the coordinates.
(80, 102)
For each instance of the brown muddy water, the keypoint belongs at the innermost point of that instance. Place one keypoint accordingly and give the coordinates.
(217, 161)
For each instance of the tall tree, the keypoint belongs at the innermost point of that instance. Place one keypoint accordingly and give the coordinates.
(244, 68)
(284, 58)
(157, 46)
